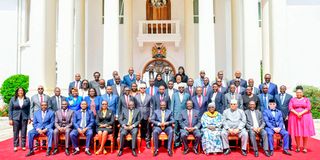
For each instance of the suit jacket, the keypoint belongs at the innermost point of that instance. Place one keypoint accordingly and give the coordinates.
(243, 83)
(35, 103)
(249, 124)
(283, 107)
(156, 101)
(145, 106)
(223, 90)
(242, 90)
(78, 116)
(115, 91)
(156, 118)
(188, 91)
(208, 88)
(97, 102)
(256, 91)
(171, 77)
(112, 102)
(195, 122)
(264, 106)
(99, 92)
(72, 84)
(271, 121)
(68, 122)
(53, 104)
(177, 105)
(47, 122)
(122, 105)
(273, 88)
(124, 118)
(19, 113)
(219, 101)
(167, 93)
(204, 104)
(155, 90)
(111, 82)
(228, 99)
(108, 119)
(127, 81)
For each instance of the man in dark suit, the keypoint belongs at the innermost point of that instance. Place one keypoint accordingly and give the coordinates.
(112, 100)
(75, 84)
(190, 124)
(145, 105)
(112, 81)
(191, 90)
(233, 95)
(36, 101)
(255, 125)
(255, 90)
(170, 91)
(42, 125)
(217, 97)
(221, 88)
(151, 90)
(239, 89)
(162, 121)
(63, 124)
(160, 96)
(166, 75)
(272, 88)
(129, 78)
(129, 121)
(101, 90)
(124, 101)
(264, 98)
(206, 87)
(118, 87)
(274, 121)
(282, 101)
(83, 122)
(55, 101)
(200, 102)
(237, 75)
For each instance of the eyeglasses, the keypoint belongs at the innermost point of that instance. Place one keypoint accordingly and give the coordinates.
(104, 104)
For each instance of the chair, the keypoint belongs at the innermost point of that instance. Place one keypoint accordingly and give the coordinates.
(129, 138)
(162, 137)
(276, 140)
(236, 138)
(62, 137)
(40, 139)
(192, 138)
(82, 137)
(109, 138)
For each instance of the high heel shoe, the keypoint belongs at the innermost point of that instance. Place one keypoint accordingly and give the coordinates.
(15, 149)
(98, 152)
(304, 150)
(105, 152)
(298, 149)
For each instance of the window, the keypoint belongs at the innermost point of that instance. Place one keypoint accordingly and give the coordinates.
(195, 11)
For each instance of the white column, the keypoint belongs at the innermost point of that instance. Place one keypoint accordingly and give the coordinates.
(79, 37)
(237, 35)
(251, 41)
(111, 38)
(65, 44)
(127, 37)
(265, 4)
(190, 56)
(278, 41)
(206, 38)
(40, 65)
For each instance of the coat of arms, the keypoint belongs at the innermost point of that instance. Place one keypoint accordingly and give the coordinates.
(159, 51)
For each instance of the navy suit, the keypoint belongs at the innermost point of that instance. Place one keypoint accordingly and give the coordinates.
(208, 90)
(283, 106)
(272, 89)
(155, 90)
(77, 124)
(185, 123)
(264, 103)
(204, 104)
(219, 101)
(156, 101)
(275, 122)
(112, 102)
(243, 83)
(127, 81)
(38, 123)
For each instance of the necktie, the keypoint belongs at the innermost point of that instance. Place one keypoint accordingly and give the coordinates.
(83, 120)
(190, 118)
(205, 91)
(64, 113)
(266, 100)
(41, 98)
(43, 115)
(151, 92)
(130, 118)
(166, 78)
(199, 101)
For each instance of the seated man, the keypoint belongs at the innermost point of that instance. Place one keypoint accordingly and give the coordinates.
(43, 121)
(82, 122)
(190, 124)
(63, 124)
(274, 121)
(234, 121)
(162, 122)
(255, 125)
(129, 120)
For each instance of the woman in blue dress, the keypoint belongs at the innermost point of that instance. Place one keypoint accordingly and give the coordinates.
(93, 101)
(74, 100)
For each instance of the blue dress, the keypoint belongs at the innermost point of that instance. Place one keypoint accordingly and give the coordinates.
(211, 139)
(74, 103)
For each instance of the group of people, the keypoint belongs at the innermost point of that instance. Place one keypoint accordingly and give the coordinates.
(162, 102)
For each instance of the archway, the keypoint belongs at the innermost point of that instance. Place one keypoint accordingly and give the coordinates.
(159, 65)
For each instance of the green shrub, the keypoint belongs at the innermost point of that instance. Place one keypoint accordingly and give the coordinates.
(10, 85)
(313, 93)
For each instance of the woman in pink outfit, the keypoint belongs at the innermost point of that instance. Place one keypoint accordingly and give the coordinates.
(300, 119)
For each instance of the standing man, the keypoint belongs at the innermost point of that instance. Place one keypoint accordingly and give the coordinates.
(216, 97)
(233, 95)
(112, 81)
(36, 101)
(166, 75)
(151, 90)
(221, 88)
(150, 74)
(101, 90)
(191, 90)
(224, 82)
(200, 102)
(255, 90)
(272, 88)
(237, 75)
(77, 83)
(170, 91)
(264, 98)
(206, 87)
(55, 101)
(200, 81)
(138, 80)
(118, 87)
(160, 96)
(124, 101)
(129, 78)
(239, 89)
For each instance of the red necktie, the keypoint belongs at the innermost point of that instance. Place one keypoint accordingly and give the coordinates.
(190, 118)
(205, 91)
(41, 98)
(199, 101)
(151, 92)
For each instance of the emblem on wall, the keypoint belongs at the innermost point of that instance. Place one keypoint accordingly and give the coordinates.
(159, 51)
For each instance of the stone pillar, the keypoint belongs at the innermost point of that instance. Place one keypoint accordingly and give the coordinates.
(79, 37)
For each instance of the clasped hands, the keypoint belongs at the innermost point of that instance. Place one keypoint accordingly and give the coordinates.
(82, 131)
(234, 131)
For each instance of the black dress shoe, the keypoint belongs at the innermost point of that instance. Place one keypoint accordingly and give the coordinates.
(30, 153)
(256, 154)
(286, 152)
(170, 153)
(155, 153)
(195, 151)
(148, 146)
(271, 153)
(55, 151)
(134, 153)
(120, 153)
(185, 151)
(67, 152)
(228, 151)
(75, 152)
(243, 152)
(88, 152)
(267, 153)
(48, 152)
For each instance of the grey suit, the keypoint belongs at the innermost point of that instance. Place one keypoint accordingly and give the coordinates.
(115, 91)
(123, 120)
(167, 77)
(61, 121)
(145, 108)
(250, 126)
(35, 103)
(229, 97)
(53, 103)
(185, 123)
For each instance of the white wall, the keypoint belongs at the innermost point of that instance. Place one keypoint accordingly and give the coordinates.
(8, 39)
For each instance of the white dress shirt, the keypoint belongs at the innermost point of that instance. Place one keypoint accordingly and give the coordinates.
(254, 118)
